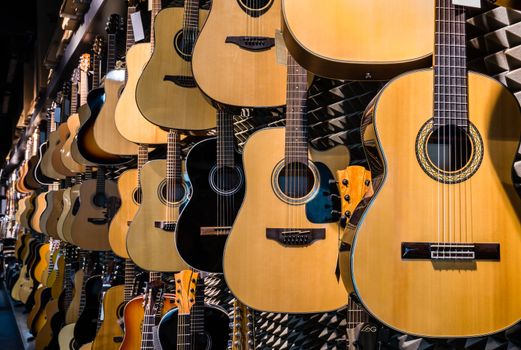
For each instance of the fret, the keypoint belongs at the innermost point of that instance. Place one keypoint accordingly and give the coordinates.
(156, 7)
(74, 98)
(130, 31)
(225, 140)
(111, 52)
(96, 66)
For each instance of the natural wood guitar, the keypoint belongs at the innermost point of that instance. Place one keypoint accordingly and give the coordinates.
(287, 230)
(455, 254)
(90, 225)
(40, 203)
(150, 237)
(105, 132)
(359, 40)
(131, 124)
(110, 333)
(234, 60)
(166, 92)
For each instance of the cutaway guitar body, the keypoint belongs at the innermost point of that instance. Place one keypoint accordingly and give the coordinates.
(359, 40)
(66, 207)
(57, 162)
(259, 244)
(73, 312)
(53, 213)
(110, 334)
(40, 204)
(73, 123)
(166, 92)
(234, 60)
(461, 295)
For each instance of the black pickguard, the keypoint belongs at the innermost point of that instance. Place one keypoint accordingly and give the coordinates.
(204, 253)
(85, 328)
(323, 207)
(216, 325)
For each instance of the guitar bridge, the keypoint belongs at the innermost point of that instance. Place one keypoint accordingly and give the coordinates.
(298, 237)
(215, 231)
(450, 251)
(181, 80)
(251, 43)
(168, 226)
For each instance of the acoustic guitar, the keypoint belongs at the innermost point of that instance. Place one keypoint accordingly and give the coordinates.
(105, 133)
(85, 140)
(90, 225)
(49, 218)
(143, 313)
(287, 227)
(193, 324)
(129, 189)
(131, 124)
(25, 256)
(461, 134)
(73, 206)
(27, 285)
(53, 139)
(359, 41)
(150, 237)
(63, 134)
(40, 204)
(166, 93)
(215, 171)
(234, 59)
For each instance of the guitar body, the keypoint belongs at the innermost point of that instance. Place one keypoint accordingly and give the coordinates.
(86, 141)
(349, 39)
(46, 164)
(459, 297)
(119, 226)
(41, 263)
(40, 204)
(205, 252)
(84, 233)
(150, 247)
(36, 319)
(131, 124)
(71, 214)
(83, 115)
(66, 338)
(27, 285)
(106, 134)
(66, 207)
(216, 330)
(73, 124)
(57, 163)
(30, 181)
(134, 314)
(110, 334)
(26, 209)
(165, 102)
(230, 74)
(73, 311)
(55, 208)
(262, 259)
(85, 327)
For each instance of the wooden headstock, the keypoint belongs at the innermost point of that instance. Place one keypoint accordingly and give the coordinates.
(354, 184)
(185, 286)
(85, 62)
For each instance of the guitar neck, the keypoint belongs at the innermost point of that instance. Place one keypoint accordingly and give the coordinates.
(111, 52)
(225, 140)
(130, 30)
(74, 98)
(156, 7)
(130, 275)
(173, 158)
(100, 181)
(84, 87)
(142, 158)
(450, 66)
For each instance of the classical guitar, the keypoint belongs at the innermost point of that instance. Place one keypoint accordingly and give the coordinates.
(215, 171)
(373, 40)
(234, 60)
(287, 229)
(150, 237)
(106, 134)
(90, 225)
(85, 139)
(129, 188)
(193, 324)
(129, 121)
(143, 313)
(166, 93)
(460, 134)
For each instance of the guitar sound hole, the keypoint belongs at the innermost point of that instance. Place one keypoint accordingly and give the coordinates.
(296, 180)
(449, 148)
(184, 43)
(137, 195)
(173, 193)
(255, 8)
(226, 180)
(100, 200)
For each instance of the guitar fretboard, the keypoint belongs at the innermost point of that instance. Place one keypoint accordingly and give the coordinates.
(450, 66)
(225, 141)
(156, 7)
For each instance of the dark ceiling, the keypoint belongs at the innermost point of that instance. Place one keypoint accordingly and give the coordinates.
(17, 35)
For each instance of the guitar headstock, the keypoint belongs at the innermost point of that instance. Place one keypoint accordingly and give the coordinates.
(185, 287)
(243, 328)
(115, 24)
(97, 47)
(84, 64)
(354, 184)
(75, 77)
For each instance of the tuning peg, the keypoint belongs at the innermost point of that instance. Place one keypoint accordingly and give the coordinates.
(334, 196)
(333, 182)
(335, 213)
(347, 198)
